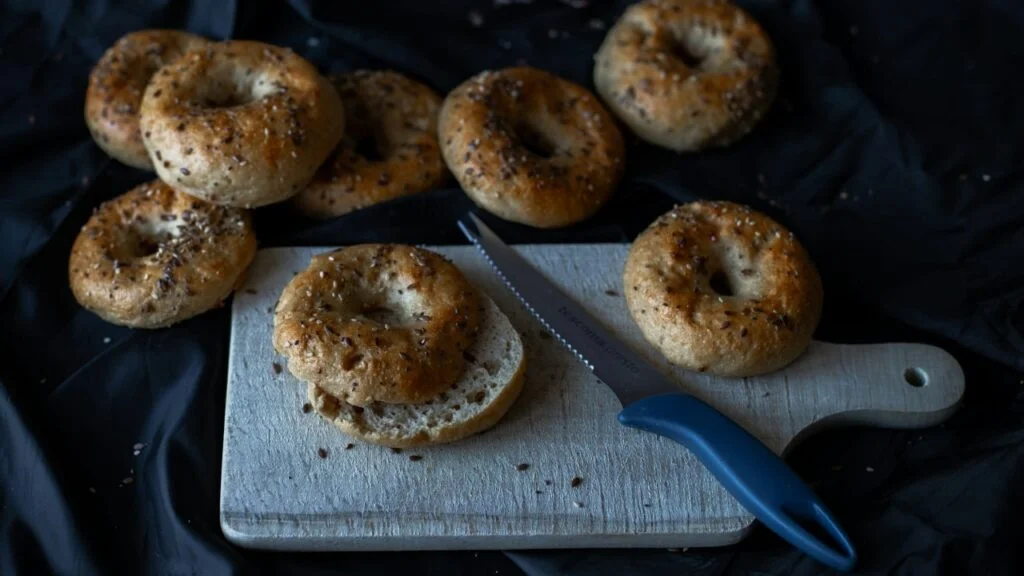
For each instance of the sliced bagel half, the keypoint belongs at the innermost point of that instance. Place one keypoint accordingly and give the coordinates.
(483, 394)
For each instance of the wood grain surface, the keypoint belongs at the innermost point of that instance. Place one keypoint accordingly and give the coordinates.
(636, 489)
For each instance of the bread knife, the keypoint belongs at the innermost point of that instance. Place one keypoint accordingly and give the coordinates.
(759, 479)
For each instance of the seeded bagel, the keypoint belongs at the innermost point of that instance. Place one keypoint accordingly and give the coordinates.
(718, 287)
(153, 257)
(116, 85)
(531, 147)
(482, 395)
(389, 150)
(377, 322)
(240, 123)
(687, 74)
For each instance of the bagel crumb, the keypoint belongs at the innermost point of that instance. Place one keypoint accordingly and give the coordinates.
(396, 450)
(307, 408)
(277, 368)
(576, 481)
(522, 467)
(415, 457)
(321, 452)
(349, 446)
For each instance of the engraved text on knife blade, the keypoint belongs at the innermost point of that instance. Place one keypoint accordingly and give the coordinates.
(597, 339)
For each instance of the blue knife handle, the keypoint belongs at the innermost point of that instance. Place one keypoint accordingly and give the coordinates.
(753, 474)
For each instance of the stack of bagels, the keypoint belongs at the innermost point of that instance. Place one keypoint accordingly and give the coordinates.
(396, 346)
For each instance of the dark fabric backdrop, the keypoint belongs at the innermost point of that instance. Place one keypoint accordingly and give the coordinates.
(894, 152)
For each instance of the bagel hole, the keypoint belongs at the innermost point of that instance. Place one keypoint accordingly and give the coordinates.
(535, 142)
(369, 148)
(146, 247)
(720, 284)
(230, 101)
(382, 315)
(142, 243)
(687, 55)
(224, 95)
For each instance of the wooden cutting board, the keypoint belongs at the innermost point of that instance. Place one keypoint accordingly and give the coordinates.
(637, 489)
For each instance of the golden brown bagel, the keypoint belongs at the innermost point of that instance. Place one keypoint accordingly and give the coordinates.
(479, 398)
(116, 85)
(531, 147)
(687, 74)
(389, 150)
(718, 287)
(153, 257)
(240, 123)
(377, 322)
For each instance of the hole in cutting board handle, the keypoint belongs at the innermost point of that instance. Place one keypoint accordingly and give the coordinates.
(916, 377)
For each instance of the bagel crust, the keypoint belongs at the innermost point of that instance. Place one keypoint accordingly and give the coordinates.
(718, 287)
(396, 119)
(153, 257)
(531, 147)
(240, 123)
(377, 322)
(687, 75)
(116, 85)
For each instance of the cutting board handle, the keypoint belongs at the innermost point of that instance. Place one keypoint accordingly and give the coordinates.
(890, 385)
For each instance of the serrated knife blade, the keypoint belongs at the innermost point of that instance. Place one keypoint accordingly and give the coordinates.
(625, 372)
(752, 473)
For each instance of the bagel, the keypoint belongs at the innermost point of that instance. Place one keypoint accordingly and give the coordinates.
(718, 287)
(389, 150)
(482, 395)
(153, 257)
(531, 147)
(116, 85)
(240, 123)
(377, 322)
(687, 75)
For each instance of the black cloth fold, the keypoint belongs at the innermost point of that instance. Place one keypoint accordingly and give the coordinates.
(894, 152)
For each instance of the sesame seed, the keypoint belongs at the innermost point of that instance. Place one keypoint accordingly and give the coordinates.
(522, 467)
(985, 177)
